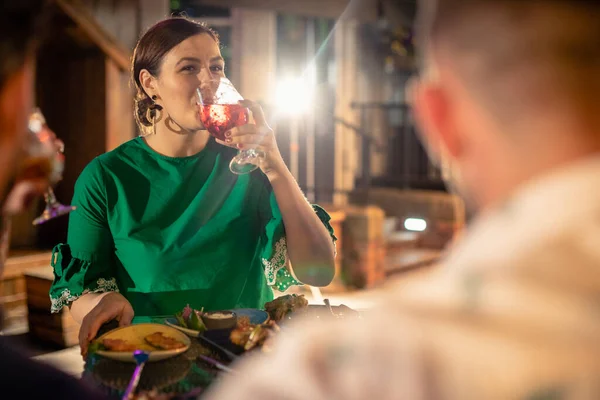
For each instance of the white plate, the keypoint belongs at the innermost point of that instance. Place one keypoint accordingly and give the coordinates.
(136, 334)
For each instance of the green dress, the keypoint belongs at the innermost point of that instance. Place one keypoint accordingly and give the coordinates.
(166, 232)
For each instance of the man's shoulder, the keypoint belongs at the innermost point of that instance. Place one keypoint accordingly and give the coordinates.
(37, 380)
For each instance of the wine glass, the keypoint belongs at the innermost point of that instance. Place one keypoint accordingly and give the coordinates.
(220, 111)
(45, 157)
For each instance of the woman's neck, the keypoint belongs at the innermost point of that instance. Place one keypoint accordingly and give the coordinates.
(173, 141)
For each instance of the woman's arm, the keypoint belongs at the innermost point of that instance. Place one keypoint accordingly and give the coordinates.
(84, 304)
(85, 275)
(309, 244)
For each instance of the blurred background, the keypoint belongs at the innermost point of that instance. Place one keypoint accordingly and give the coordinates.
(331, 76)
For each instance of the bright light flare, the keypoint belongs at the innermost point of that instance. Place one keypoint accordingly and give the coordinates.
(415, 224)
(293, 96)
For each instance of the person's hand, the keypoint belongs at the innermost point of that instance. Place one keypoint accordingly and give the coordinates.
(113, 306)
(258, 136)
(22, 195)
(29, 183)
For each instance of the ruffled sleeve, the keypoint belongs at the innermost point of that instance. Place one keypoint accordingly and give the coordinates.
(85, 264)
(274, 255)
(76, 276)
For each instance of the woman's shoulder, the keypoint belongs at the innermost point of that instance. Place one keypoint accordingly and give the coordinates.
(96, 169)
(124, 150)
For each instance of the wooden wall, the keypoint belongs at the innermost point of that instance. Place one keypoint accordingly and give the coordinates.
(347, 144)
(254, 45)
(83, 89)
(126, 19)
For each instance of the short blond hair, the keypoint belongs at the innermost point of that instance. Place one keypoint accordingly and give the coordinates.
(520, 52)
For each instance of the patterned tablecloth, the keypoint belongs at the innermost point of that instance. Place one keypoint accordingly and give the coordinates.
(183, 374)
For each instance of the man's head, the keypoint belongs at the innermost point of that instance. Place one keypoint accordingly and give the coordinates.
(508, 89)
(19, 29)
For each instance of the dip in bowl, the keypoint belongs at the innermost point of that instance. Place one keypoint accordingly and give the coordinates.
(219, 320)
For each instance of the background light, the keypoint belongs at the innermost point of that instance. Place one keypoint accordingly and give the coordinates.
(293, 96)
(415, 224)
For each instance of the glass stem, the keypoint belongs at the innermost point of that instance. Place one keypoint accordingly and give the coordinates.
(50, 197)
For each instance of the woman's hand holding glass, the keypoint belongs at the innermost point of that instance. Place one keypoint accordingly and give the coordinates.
(224, 113)
(258, 136)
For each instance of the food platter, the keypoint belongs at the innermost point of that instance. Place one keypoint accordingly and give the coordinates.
(139, 337)
(223, 337)
(254, 315)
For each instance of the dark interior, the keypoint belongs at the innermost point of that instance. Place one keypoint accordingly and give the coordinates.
(71, 92)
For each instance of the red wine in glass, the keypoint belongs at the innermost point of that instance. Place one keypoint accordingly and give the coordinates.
(219, 118)
(220, 111)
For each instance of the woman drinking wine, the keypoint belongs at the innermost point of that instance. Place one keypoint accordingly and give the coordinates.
(161, 221)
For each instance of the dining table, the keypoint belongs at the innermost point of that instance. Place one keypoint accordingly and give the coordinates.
(186, 375)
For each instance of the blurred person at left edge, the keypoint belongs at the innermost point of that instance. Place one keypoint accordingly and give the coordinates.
(20, 25)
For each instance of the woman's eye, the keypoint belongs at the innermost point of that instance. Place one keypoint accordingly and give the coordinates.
(216, 68)
(189, 68)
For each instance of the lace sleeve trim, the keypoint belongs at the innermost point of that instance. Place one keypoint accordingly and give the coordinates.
(278, 261)
(66, 298)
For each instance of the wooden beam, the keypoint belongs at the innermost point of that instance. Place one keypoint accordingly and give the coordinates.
(347, 147)
(119, 107)
(253, 43)
(106, 42)
(152, 11)
(312, 8)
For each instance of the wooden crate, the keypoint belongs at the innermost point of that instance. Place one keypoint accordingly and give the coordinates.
(13, 294)
(60, 328)
(363, 262)
(443, 212)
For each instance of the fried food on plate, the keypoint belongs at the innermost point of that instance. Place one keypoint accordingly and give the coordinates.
(119, 345)
(251, 336)
(160, 341)
(284, 305)
(243, 322)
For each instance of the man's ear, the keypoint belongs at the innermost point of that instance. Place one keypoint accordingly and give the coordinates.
(148, 82)
(432, 111)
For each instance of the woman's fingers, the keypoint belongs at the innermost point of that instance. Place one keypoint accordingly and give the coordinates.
(112, 306)
(103, 317)
(83, 334)
(126, 315)
(249, 140)
(225, 143)
(244, 139)
(91, 325)
(248, 129)
(257, 112)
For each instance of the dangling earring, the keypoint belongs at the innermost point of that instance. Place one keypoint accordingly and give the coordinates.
(154, 114)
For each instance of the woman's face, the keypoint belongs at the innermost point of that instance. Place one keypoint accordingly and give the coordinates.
(195, 62)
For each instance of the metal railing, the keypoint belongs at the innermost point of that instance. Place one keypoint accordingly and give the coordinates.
(396, 141)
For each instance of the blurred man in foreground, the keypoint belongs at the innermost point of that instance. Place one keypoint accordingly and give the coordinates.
(508, 91)
(19, 29)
